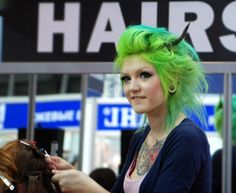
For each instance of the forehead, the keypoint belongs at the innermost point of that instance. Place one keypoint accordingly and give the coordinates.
(135, 63)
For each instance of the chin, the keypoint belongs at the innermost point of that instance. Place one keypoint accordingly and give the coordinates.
(139, 111)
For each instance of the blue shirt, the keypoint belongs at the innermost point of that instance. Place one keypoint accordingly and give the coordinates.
(182, 166)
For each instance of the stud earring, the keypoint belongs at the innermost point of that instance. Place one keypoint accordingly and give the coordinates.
(172, 89)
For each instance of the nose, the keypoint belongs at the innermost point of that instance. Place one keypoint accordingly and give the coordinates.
(134, 85)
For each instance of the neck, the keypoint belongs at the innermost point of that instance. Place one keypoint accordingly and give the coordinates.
(156, 119)
(157, 125)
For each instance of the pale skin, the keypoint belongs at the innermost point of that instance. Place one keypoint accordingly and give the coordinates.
(143, 89)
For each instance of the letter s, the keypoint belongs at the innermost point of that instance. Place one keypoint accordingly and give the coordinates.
(228, 17)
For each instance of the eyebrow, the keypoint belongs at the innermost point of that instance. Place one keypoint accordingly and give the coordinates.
(145, 68)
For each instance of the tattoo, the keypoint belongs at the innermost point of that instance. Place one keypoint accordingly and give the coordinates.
(147, 156)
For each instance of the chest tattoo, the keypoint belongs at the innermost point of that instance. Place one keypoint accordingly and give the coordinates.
(147, 156)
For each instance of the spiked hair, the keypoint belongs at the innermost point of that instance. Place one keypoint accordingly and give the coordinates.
(176, 63)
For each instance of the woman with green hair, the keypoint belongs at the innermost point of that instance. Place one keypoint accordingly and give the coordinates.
(217, 156)
(163, 79)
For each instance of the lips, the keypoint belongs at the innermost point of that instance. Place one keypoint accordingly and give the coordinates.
(137, 97)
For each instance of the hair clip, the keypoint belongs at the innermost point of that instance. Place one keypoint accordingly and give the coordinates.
(34, 142)
(180, 38)
(25, 143)
(7, 182)
(45, 152)
(42, 150)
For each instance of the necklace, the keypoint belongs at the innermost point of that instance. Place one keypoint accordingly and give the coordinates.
(147, 155)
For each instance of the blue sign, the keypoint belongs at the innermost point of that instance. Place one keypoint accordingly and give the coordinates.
(210, 118)
(15, 115)
(48, 114)
(118, 117)
(123, 117)
(66, 113)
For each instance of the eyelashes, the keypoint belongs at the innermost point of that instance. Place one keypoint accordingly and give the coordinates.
(145, 75)
(142, 75)
(124, 79)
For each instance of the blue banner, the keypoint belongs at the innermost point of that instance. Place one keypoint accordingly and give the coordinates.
(123, 117)
(66, 113)
(118, 117)
(48, 114)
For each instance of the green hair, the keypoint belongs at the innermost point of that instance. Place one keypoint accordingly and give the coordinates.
(219, 118)
(176, 65)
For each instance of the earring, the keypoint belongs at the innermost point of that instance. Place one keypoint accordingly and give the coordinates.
(172, 89)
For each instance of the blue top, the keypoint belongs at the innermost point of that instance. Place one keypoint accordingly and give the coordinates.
(182, 166)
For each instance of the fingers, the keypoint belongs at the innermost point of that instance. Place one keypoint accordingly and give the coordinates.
(74, 181)
(56, 162)
(59, 175)
(56, 159)
(66, 179)
(50, 162)
(56, 177)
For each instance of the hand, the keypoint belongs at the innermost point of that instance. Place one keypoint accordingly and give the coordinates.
(58, 163)
(74, 181)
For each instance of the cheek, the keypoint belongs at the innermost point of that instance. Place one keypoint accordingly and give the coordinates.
(155, 89)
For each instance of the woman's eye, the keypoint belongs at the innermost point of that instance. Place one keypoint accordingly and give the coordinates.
(124, 79)
(145, 75)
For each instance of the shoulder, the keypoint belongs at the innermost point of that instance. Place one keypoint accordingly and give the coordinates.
(188, 129)
(188, 134)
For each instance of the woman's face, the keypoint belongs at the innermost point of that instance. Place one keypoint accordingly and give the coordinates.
(142, 86)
